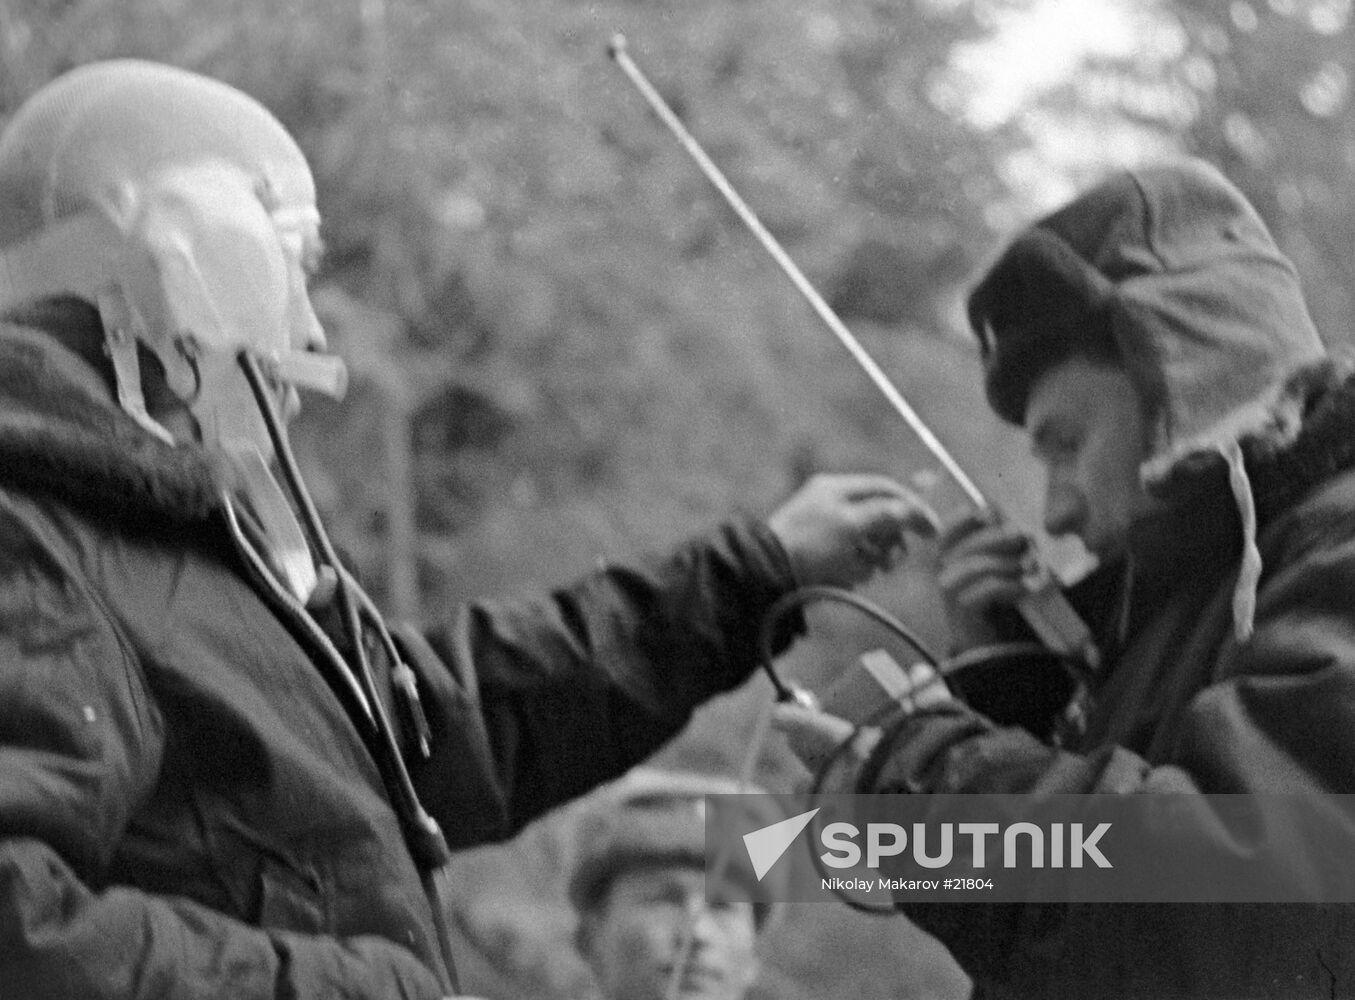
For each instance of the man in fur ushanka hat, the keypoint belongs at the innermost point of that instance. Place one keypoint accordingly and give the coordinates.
(1200, 441)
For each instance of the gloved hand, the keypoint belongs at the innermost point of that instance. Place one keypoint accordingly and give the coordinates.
(840, 529)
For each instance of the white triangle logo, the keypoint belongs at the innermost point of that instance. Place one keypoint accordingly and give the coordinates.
(766, 846)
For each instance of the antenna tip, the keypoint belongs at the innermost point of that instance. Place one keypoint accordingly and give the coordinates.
(617, 45)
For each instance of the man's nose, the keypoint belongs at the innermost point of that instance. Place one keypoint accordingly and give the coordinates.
(701, 920)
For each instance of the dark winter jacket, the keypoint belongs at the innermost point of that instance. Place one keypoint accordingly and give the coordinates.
(191, 803)
(1202, 690)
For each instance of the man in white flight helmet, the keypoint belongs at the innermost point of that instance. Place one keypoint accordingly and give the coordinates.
(221, 774)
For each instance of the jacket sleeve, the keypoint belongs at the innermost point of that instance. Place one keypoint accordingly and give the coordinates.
(537, 701)
(80, 747)
(1278, 715)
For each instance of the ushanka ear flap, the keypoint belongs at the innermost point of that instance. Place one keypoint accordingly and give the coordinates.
(1039, 303)
(1249, 570)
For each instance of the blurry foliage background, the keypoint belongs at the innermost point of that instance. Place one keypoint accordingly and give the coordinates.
(565, 347)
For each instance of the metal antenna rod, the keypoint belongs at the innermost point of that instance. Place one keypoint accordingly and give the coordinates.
(617, 50)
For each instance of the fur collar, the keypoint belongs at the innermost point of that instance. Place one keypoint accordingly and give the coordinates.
(1286, 468)
(59, 440)
(1304, 436)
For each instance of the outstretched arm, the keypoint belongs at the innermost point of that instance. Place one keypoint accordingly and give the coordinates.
(546, 698)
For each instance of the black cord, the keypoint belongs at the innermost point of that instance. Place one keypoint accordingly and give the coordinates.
(426, 839)
(993, 652)
(771, 622)
(979, 655)
(796, 599)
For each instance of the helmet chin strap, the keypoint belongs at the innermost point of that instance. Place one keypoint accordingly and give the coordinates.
(121, 347)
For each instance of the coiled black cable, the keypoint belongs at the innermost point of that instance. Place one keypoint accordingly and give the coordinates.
(979, 656)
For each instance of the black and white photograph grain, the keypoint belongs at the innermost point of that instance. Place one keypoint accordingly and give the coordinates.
(677, 499)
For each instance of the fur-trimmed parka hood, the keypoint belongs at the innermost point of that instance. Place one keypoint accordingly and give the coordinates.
(1170, 273)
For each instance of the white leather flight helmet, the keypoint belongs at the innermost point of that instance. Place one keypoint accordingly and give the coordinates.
(184, 211)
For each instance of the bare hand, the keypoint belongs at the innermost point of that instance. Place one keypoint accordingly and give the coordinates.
(982, 561)
(840, 529)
